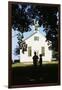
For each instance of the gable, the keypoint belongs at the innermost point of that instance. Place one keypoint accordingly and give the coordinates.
(34, 36)
(36, 39)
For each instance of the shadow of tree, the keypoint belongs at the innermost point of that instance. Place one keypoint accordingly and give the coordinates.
(35, 75)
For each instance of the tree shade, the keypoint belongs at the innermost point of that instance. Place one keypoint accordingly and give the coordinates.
(23, 15)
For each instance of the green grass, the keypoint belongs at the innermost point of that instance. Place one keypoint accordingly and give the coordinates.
(27, 74)
(20, 64)
(30, 63)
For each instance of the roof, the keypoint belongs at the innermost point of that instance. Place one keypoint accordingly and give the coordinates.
(32, 35)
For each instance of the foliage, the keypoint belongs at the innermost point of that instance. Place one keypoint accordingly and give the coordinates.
(17, 51)
(23, 15)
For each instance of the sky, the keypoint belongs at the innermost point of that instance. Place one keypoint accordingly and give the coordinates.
(26, 34)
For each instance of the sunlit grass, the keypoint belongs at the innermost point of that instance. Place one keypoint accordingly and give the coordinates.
(21, 64)
(50, 62)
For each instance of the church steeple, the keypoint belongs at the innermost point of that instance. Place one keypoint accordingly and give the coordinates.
(36, 24)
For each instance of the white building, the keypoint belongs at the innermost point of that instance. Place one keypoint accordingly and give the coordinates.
(36, 43)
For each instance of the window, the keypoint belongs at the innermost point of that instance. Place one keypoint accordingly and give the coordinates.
(43, 51)
(36, 38)
(29, 51)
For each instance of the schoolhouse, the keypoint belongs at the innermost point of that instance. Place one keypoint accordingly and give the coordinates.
(35, 43)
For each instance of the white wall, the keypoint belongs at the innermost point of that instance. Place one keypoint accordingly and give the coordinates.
(4, 45)
(36, 46)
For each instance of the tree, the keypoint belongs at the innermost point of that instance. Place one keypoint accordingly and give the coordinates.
(20, 22)
(23, 15)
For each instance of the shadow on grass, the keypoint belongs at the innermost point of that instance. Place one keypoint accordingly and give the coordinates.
(35, 75)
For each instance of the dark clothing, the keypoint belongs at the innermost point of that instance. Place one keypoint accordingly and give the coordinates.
(40, 61)
(35, 60)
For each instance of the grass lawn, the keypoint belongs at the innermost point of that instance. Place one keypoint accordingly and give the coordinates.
(24, 73)
(21, 64)
(30, 63)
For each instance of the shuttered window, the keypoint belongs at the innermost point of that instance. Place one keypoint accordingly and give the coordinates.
(29, 51)
(43, 51)
(36, 38)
